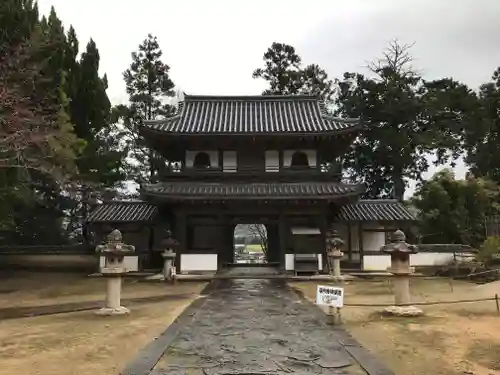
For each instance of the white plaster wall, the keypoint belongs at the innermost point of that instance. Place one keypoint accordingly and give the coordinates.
(290, 261)
(230, 161)
(311, 157)
(198, 262)
(190, 155)
(131, 263)
(382, 262)
(372, 241)
(272, 161)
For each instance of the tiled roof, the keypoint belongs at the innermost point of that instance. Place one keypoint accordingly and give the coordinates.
(376, 210)
(231, 191)
(122, 212)
(252, 115)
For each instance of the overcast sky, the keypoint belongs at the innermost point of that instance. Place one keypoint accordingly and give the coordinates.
(212, 46)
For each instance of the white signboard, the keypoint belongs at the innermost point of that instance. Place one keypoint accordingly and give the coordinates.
(330, 295)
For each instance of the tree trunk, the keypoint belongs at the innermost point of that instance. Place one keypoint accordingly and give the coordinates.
(399, 185)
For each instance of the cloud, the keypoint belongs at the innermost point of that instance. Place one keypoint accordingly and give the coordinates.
(452, 38)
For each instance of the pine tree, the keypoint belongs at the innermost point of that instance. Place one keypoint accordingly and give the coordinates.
(148, 85)
(100, 162)
(285, 74)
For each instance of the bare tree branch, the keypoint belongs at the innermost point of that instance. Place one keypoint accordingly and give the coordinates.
(259, 231)
(396, 58)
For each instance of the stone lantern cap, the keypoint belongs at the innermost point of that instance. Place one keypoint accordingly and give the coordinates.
(114, 245)
(399, 245)
(169, 243)
(333, 239)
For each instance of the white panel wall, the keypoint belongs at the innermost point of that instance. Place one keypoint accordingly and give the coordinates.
(382, 262)
(230, 161)
(311, 157)
(131, 263)
(190, 155)
(290, 261)
(198, 262)
(272, 161)
(373, 241)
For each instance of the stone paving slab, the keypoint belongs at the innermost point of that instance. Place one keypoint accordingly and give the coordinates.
(256, 327)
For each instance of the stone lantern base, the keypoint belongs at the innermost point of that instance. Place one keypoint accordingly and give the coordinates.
(403, 311)
(110, 311)
(342, 278)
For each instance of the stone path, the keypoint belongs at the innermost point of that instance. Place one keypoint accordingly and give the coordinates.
(257, 327)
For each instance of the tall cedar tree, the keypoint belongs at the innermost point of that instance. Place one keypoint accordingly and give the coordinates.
(100, 162)
(73, 93)
(37, 137)
(148, 85)
(36, 133)
(285, 74)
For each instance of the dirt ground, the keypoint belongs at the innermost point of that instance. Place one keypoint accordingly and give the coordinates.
(20, 289)
(82, 343)
(450, 339)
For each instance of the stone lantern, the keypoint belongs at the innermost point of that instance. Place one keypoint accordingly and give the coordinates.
(401, 271)
(114, 251)
(169, 246)
(334, 245)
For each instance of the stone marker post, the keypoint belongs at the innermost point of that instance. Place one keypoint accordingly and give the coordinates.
(334, 253)
(169, 244)
(401, 271)
(114, 251)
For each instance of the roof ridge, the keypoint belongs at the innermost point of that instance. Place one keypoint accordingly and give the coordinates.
(188, 98)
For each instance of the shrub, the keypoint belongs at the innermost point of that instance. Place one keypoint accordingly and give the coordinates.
(489, 252)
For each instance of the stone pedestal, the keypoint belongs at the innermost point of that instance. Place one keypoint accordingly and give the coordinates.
(112, 304)
(334, 254)
(168, 247)
(168, 265)
(114, 251)
(335, 257)
(401, 271)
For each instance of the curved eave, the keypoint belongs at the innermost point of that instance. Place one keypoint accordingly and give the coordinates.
(170, 197)
(147, 130)
(270, 198)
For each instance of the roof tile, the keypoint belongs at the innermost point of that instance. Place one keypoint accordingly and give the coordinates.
(122, 212)
(251, 115)
(376, 210)
(276, 190)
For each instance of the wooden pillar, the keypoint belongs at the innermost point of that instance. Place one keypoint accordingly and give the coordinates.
(151, 253)
(280, 158)
(230, 237)
(220, 156)
(360, 240)
(181, 234)
(349, 242)
(282, 230)
(323, 227)
(224, 248)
